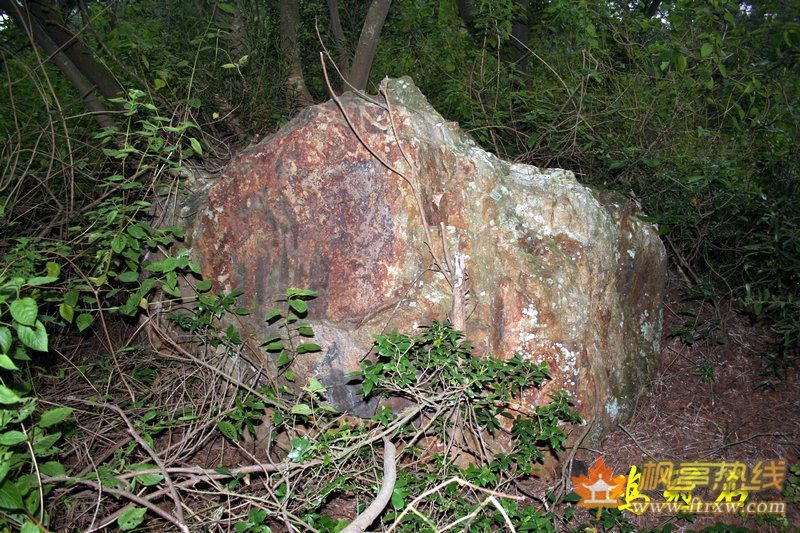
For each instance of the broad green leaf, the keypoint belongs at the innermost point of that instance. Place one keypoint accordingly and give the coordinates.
(308, 347)
(118, 244)
(53, 269)
(84, 320)
(681, 62)
(41, 280)
(226, 8)
(66, 311)
(128, 277)
(52, 468)
(55, 416)
(315, 386)
(170, 264)
(5, 339)
(5, 464)
(129, 308)
(272, 315)
(292, 291)
(203, 286)
(136, 231)
(329, 408)
(148, 480)
(196, 145)
(305, 331)
(366, 388)
(44, 446)
(131, 518)
(399, 497)
(10, 438)
(7, 363)
(228, 429)
(30, 527)
(13, 283)
(299, 306)
(36, 339)
(98, 281)
(706, 50)
(23, 412)
(274, 346)
(302, 409)
(155, 266)
(71, 298)
(10, 498)
(25, 311)
(283, 359)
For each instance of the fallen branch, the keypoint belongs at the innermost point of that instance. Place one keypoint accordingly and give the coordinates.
(412, 507)
(179, 520)
(120, 492)
(200, 474)
(377, 506)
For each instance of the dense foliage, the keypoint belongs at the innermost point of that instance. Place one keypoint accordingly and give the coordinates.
(689, 108)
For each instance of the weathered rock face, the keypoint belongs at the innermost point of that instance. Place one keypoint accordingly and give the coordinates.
(556, 271)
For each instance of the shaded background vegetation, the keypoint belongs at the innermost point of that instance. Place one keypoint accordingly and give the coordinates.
(689, 107)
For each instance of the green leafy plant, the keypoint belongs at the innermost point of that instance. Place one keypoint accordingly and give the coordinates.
(247, 413)
(28, 444)
(695, 329)
(791, 487)
(203, 319)
(437, 363)
(705, 372)
(437, 368)
(293, 340)
(254, 523)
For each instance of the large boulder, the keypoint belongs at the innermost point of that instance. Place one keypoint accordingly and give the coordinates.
(556, 271)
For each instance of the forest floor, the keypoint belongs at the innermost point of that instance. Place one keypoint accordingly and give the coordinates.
(712, 399)
(716, 399)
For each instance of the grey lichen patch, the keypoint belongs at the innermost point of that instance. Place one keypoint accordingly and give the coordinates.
(613, 409)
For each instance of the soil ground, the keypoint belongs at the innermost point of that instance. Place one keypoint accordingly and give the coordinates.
(714, 399)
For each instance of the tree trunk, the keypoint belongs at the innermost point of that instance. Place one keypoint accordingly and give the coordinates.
(52, 22)
(368, 43)
(466, 11)
(40, 38)
(521, 34)
(342, 53)
(290, 19)
(651, 8)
